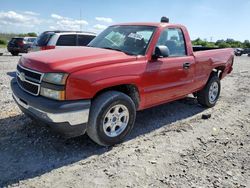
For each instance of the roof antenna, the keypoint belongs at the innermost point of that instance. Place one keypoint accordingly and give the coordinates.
(164, 19)
(80, 19)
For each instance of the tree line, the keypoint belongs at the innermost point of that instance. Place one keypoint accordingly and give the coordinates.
(228, 43)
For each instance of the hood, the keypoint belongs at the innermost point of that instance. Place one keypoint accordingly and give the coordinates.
(72, 59)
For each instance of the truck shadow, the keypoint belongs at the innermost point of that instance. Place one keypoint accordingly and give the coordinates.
(28, 150)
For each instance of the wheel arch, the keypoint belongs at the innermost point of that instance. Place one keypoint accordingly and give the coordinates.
(218, 71)
(129, 89)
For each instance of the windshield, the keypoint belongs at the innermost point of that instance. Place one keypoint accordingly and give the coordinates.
(132, 40)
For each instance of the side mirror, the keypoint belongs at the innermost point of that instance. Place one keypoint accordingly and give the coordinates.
(161, 51)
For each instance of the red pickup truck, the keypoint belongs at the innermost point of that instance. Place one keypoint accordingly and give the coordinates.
(127, 68)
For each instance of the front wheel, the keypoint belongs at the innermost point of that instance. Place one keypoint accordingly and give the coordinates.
(209, 95)
(112, 117)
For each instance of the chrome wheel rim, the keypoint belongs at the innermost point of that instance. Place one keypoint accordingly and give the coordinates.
(116, 120)
(213, 92)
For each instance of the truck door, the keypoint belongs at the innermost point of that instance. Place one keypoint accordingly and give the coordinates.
(169, 78)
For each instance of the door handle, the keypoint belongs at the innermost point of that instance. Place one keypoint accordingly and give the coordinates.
(186, 65)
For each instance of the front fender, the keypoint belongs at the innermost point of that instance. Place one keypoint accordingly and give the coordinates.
(84, 84)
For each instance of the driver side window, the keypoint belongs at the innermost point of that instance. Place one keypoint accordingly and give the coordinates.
(173, 38)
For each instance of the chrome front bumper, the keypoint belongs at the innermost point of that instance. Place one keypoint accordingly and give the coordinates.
(70, 113)
(73, 118)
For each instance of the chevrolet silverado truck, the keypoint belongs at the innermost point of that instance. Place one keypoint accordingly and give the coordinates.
(126, 68)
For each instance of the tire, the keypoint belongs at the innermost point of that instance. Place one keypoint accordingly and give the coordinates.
(14, 53)
(207, 99)
(107, 109)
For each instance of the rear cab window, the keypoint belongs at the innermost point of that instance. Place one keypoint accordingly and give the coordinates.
(66, 40)
(84, 40)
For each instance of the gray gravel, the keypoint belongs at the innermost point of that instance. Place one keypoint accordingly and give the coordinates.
(170, 146)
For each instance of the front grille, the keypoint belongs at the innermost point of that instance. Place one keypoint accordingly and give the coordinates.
(29, 80)
(30, 74)
(30, 88)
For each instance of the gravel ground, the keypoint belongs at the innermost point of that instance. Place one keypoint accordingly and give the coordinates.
(170, 146)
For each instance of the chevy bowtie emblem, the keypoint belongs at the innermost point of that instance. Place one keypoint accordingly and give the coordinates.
(22, 76)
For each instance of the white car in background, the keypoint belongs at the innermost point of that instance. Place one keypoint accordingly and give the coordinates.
(61, 39)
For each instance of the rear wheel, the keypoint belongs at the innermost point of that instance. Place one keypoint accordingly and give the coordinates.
(14, 53)
(112, 117)
(209, 95)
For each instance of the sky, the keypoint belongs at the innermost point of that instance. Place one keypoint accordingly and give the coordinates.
(207, 19)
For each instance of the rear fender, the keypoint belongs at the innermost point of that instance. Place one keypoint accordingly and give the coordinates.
(227, 69)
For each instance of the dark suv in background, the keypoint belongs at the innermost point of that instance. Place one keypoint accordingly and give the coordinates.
(61, 39)
(240, 51)
(20, 45)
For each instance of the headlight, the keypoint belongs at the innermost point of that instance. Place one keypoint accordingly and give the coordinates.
(55, 78)
(53, 94)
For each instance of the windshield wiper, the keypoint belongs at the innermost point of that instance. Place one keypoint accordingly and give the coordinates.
(108, 48)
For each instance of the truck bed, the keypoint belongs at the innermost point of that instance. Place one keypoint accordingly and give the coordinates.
(215, 56)
(201, 48)
(212, 58)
